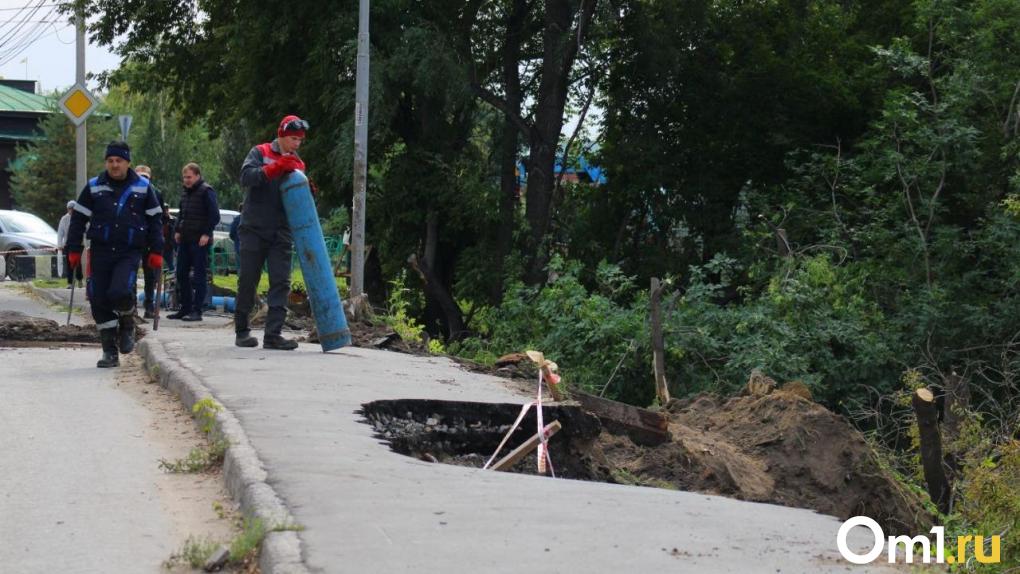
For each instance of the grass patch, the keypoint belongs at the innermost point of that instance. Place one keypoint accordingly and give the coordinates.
(49, 283)
(193, 553)
(297, 281)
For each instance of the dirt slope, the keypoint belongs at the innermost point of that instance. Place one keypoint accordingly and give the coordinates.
(778, 447)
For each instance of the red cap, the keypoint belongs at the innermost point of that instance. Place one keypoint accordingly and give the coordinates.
(292, 126)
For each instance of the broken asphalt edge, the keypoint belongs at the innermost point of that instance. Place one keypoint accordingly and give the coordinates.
(243, 472)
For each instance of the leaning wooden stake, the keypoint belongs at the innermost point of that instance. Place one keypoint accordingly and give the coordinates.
(508, 461)
(658, 348)
(931, 448)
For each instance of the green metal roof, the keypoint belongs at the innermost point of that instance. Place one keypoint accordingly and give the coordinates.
(15, 100)
(19, 137)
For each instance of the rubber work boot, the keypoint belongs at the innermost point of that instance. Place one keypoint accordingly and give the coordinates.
(279, 343)
(193, 316)
(178, 315)
(108, 337)
(243, 337)
(126, 337)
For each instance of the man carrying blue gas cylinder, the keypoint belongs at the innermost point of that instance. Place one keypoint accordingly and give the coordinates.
(124, 220)
(265, 236)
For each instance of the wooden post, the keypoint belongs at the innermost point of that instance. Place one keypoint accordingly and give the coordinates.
(931, 448)
(658, 348)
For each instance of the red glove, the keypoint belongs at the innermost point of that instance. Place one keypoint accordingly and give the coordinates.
(155, 261)
(285, 164)
(74, 258)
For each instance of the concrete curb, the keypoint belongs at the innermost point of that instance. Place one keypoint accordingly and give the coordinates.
(243, 472)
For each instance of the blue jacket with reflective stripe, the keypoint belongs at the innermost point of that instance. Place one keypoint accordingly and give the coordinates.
(122, 215)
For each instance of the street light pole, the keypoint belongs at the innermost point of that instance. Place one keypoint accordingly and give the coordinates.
(360, 160)
(80, 133)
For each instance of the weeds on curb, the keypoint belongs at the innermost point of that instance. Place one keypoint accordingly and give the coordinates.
(194, 553)
(200, 459)
(204, 412)
(206, 457)
(243, 547)
(253, 531)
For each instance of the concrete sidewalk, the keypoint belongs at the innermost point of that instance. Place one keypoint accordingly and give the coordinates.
(303, 456)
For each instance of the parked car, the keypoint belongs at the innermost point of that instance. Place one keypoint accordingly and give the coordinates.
(21, 232)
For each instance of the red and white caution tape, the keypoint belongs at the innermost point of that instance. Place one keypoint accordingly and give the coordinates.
(29, 251)
(544, 461)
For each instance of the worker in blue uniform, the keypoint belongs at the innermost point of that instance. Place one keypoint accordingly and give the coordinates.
(124, 220)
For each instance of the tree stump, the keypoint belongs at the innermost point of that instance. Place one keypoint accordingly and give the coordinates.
(931, 448)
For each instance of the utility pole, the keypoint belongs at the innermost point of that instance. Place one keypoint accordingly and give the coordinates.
(81, 137)
(360, 162)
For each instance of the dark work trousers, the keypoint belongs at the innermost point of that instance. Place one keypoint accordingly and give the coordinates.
(150, 287)
(272, 249)
(71, 274)
(193, 259)
(113, 285)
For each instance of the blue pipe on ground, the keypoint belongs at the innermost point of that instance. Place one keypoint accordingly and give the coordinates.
(310, 246)
(228, 303)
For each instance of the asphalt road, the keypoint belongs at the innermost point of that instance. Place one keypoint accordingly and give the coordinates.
(80, 486)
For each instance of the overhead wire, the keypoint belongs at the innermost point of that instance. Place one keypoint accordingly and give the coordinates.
(27, 39)
(7, 37)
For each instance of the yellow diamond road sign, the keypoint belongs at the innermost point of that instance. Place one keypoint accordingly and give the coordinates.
(78, 103)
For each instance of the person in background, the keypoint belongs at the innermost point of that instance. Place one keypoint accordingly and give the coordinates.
(196, 221)
(151, 274)
(62, 228)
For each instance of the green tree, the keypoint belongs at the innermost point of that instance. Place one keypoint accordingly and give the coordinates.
(43, 175)
(161, 138)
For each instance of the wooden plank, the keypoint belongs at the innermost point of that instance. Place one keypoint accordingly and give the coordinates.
(508, 461)
(641, 425)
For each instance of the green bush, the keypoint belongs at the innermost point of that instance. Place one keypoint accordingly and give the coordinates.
(812, 321)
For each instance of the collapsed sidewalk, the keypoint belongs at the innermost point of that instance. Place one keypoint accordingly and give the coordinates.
(302, 455)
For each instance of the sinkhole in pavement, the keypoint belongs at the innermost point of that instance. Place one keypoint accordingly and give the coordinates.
(466, 433)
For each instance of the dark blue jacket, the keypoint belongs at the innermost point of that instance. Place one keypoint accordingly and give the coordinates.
(122, 216)
(199, 214)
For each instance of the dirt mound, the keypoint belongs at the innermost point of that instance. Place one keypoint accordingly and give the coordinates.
(15, 326)
(777, 447)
